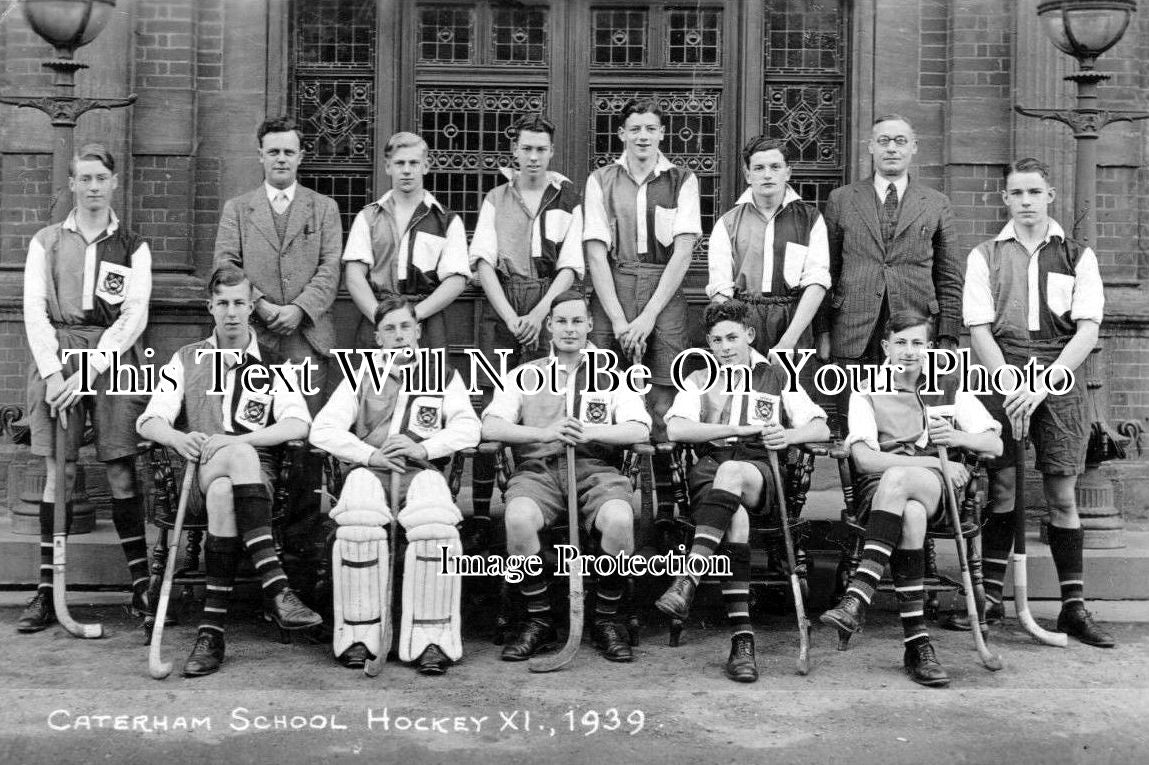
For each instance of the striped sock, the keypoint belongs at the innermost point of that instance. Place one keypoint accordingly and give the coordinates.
(128, 518)
(736, 590)
(221, 558)
(1066, 547)
(536, 593)
(908, 568)
(253, 521)
(711, 520)
(997, 544)
(663, 486)
(482, 485)
(882, 534)
(609, 594)
(47, 521)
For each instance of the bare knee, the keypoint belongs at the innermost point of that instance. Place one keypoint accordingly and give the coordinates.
(522, 520)
(914, 520)
(121, 478)
(220, 508)
(729, 477)
(615, 521)
(1060, 497)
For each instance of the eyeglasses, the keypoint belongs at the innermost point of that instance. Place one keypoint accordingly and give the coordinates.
(885, 141)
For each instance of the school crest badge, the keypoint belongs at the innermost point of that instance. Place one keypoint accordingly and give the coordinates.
(426, 415)
(253, 411)
(763, 409)
(595, 409)
(112, 283)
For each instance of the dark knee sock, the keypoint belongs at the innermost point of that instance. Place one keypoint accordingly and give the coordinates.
(711, 520)
(663, 485)
(997, 544)
(536, 593)
(882, 534)
(608, 596)
(908, 569)
(253, 521)
(47, 523)
(1066, 546)
(128, 518)
(482, 486)
(736, 590)
(221, 558)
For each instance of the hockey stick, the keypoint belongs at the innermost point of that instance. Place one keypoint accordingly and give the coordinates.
(574, 636)
(60, 540)
(157, 667)
(1020, 585)
(991, 660)
(372, 667)
(788, 539)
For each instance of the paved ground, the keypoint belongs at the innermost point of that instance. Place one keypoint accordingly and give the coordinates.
(1079, 704)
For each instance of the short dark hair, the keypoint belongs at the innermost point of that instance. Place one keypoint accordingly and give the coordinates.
(903, 320)
(731, 310)
(764, 143)
(226, 275)
(567, 296)
(283, 124)
(393, 303)
(535, 123)
(638, 106)
(1027, 165)
(890, 117)
(92, 151)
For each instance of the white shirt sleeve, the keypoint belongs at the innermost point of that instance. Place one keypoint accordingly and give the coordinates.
(863, 428)
(331, 430)
(571, 254)
(720, 262)
(596, 225)
(687, 403)
(627, 406)
(687, 216)
(288, 402)
(816, 267)
(1088, 290)
(167, 400)
(129, 325)
(800, 408)
(358, 248)
(37, 325)
(453, 259)
(461, 426)
(485, 242)
(977, 298)
(507, 403)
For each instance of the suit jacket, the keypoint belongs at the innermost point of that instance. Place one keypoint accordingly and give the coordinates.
(303, 269)
(920, 270)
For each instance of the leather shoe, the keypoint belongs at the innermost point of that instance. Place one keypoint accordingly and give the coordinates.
(1075, 621)
(848, 616)
(612, 645)
(958, 621)
(741, 667)
(922, 665)
(38, 614)
(536, 636)
(290, 613)
(677, 598)
(206, 655)
(355, 656)
(432, 661)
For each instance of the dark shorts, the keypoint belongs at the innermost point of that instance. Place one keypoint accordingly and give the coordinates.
(196, 517)
(866, 486)
(544, 481)
(770, 316)
(634, 284)
(113, 417)
(523, 293)
(1059, 429)
(701, 476)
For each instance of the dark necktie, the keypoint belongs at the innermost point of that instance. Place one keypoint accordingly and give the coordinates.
(889, 213)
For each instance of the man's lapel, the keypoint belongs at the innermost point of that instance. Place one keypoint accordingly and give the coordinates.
(865, 206)
(911, 208)
(259, 213)
(298, 216)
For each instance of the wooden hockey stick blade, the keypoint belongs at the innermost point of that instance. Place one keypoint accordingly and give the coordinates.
(89, 631)
(1021, 603)
(157, 667)
(991, 661)
(574, 636)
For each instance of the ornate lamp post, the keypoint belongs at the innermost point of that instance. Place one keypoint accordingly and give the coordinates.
(1085, 29)
(65, 25)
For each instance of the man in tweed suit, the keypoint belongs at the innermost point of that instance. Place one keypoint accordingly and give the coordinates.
(288, 240)
(892, 245)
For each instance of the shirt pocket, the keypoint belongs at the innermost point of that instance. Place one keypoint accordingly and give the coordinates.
(1059, 293)
(112, 283)
(793, 263)
(556, 223)
(664, 224)
(426, 251)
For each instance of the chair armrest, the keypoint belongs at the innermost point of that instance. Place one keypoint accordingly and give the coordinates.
(490, 447)
(642, 449)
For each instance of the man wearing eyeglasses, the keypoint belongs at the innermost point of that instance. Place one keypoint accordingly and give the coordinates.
(893, 247)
